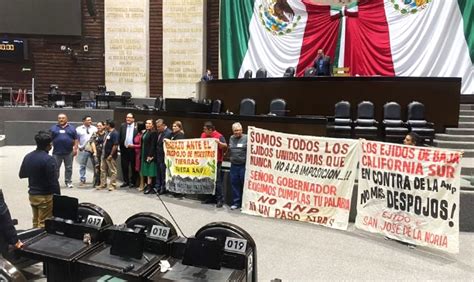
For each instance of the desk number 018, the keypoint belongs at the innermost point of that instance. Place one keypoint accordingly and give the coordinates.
(235, 245)
(160, 232)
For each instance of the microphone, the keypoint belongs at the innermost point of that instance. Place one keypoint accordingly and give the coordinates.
(128, 268)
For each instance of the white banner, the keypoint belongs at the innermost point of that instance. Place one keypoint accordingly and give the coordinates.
(298, 177)
(410, 194)
(126, 45)
(191, 165)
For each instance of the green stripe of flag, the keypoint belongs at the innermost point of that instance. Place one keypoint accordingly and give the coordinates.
(467, 11)
(235, 34)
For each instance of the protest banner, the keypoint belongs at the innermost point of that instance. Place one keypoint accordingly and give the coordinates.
(191, 165)
(410, 194)
(298, 177)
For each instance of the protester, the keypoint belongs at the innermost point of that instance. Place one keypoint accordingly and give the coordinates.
(108, 165)
(163, 133)
(237, 155)
(209, 131)
(177, 131)
(41, 170)
(128, 131)
(148, 166)
(84, 134)
(65, 145)
(97, 145)
(137, 146)
(7, 229)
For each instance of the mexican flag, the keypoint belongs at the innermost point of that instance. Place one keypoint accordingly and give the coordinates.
(370, 37)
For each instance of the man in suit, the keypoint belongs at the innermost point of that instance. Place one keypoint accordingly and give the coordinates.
(322, 64)
(207, 76)
(163, 133)
(128, 131)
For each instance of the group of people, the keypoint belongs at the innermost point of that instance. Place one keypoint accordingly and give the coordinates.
(142, 158)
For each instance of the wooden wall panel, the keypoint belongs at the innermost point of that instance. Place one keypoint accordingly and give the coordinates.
(212, 36)
(50, 65)
(156, 48)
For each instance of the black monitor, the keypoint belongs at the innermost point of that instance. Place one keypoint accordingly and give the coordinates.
(65, 207)
(127, 244)
(203, 253)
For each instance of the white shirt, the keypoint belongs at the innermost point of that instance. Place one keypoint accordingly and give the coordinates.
(84, 134)
(129, 134)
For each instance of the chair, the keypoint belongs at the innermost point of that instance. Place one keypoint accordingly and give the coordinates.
(342, 120)
(223, 230)
(290, 72)
(310, 72)
(86, 209)
(394, 128)
(278, 107)
(365, 124)
(261, 73)
(87, 99)
(248, 74)
(127, 99)
(159, 103)
(216, 106)
(110, 93)
(147, 220)
(247, 107)
(417, 123)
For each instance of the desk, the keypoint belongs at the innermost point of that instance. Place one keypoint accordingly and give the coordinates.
(70, 99)
(6, 95)
(181, 272)
(193, 122)
(318, 95)
(101, 262)
(108, 99)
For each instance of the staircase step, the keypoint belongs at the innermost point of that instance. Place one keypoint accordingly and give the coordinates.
(449, 137)
(467, 107)
(467, 171)
(466, 118)
(466, 124)
(460, 131)
(466, 113)
(468, 153)
(456, 145)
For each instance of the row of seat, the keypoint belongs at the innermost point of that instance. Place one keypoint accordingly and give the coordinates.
(289, 72)
(248, 107)
(393, 127)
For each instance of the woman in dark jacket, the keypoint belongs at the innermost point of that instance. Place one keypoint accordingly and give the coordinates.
(177, 131)
(148, 167)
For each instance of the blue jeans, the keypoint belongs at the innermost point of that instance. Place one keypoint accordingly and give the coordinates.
(67, 159)
(83, 156)
(237, 175)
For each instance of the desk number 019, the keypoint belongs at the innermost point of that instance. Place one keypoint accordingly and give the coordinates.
(235, 245)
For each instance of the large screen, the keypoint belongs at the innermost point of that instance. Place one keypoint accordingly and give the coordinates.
(43, 17)
(14, 50)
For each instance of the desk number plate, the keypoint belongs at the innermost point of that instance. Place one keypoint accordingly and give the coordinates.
(160, 232)
(235, 245)
(95, 221)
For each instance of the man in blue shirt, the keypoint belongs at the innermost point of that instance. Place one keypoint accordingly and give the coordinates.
(41, 170)
(65, 145)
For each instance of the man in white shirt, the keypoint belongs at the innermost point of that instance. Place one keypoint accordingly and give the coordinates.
(84, 133)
